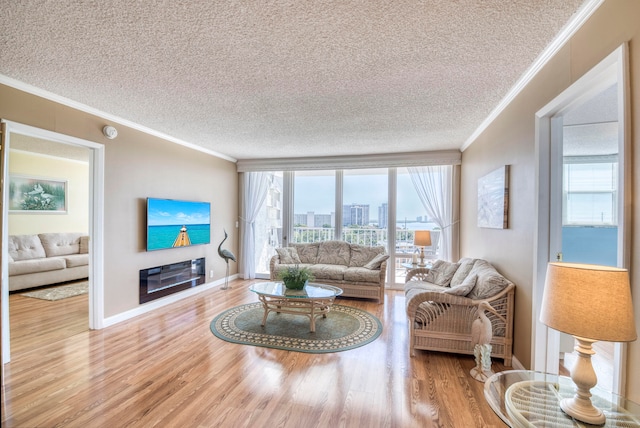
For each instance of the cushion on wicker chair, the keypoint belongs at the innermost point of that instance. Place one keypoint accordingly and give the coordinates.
(441, 272)
(466, 264)
(464, 288)
(489, 282)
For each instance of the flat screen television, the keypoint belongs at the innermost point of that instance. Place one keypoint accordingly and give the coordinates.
(172, 223)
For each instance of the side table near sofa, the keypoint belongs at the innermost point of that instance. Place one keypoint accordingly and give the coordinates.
(524, 398)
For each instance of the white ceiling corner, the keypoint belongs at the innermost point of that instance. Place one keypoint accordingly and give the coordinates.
(251, 80)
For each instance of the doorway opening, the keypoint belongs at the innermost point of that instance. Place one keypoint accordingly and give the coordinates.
(22, 135)
(582, 141)
(48, 209)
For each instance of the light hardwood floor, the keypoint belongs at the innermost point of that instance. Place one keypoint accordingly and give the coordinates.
(167, 369)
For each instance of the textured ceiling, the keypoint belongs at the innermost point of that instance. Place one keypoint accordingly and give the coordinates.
(264, 79)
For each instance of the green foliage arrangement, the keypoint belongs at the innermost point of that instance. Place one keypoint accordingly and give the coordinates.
(295, 277)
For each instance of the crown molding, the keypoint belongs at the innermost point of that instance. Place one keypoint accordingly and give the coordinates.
(30, 89)
(581, 16)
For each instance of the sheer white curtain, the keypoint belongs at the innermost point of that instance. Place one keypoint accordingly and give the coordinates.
(434, 185)
(255, 189)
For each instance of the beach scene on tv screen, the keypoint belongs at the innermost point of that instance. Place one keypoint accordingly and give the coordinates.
(173, 223)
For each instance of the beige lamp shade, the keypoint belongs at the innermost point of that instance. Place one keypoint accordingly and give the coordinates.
(422, 238)
(588, 301)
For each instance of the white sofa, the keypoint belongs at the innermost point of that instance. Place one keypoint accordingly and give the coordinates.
(47, 258)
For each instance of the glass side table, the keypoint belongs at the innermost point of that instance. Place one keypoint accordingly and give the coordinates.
(524, 398)
(413, 266)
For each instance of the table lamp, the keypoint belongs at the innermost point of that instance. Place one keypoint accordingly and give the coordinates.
(422, 238)
(590, 303)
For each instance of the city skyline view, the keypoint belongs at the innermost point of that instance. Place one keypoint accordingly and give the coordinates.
(316, 193)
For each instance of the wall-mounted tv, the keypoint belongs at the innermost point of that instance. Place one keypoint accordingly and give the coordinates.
(172, 223)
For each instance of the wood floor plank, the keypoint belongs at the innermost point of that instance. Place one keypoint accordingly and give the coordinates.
(167, 369)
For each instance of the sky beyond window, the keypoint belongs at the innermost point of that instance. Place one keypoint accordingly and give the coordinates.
(317, 193)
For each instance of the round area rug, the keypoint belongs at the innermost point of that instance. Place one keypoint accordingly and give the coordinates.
(344, 328)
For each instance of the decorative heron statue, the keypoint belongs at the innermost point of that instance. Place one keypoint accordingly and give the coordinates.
(481, 335)
(226, 255)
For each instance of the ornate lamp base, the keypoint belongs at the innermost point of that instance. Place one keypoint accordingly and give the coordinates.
(575, 408)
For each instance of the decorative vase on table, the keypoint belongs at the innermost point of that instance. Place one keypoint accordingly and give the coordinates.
(295, 277)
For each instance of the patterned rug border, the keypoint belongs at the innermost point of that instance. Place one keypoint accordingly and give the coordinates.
(369, 330)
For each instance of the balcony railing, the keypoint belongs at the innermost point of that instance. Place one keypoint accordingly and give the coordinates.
(365, 236)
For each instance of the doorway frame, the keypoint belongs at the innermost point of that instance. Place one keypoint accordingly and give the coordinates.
(96, 225)
(615, 67)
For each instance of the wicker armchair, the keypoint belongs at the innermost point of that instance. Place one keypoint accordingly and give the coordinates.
(442, 322)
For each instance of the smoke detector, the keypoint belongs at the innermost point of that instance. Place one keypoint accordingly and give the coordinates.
(110, 132)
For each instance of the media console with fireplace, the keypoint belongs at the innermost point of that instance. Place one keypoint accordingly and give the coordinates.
(161, 281)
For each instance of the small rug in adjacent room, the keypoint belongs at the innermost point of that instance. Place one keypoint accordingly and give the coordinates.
(344, 328)
(60, 292)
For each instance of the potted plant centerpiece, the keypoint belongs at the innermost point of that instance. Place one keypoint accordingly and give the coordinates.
(295, 277)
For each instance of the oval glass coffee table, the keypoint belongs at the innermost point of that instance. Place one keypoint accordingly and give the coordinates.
(312, 301)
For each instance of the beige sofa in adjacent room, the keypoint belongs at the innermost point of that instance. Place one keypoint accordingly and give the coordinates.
(47, 258)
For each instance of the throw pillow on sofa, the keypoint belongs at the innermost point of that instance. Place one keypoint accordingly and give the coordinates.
(308, 253)
(441, 272)
(334, 253)
(288, 256)
(361, 254)
(376, 262)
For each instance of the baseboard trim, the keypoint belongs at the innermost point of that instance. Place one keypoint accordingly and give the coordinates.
(516, 364)
(156, 304)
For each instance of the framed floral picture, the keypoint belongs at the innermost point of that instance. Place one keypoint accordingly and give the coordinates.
(37, 195)
(493, 199)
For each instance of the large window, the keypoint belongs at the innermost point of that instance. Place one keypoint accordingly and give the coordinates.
(590, 193)
(411, 215)
(314, 202)
(365, 206)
